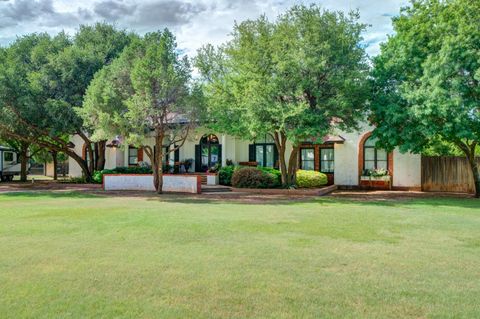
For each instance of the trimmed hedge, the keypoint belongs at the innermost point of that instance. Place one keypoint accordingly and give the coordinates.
(253, 177)
(98, 175)
(310, 179)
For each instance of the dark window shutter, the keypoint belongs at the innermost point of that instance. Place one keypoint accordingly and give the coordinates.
(177, 155)
(198, 158)
(275, 157)
(251, 153)
(140, 154)
(220, 154)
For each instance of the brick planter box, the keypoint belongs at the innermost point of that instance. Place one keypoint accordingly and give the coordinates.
(376, 182)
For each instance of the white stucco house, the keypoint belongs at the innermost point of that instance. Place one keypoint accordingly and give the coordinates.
(344, 157)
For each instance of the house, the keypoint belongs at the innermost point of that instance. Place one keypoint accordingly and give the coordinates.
(344, 157)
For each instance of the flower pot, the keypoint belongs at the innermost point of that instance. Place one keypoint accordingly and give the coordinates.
(213, 179)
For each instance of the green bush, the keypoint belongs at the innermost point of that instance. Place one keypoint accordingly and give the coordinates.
(98, 175)
(225, 175)
(253, 177)
(274, 172)
(310, 179)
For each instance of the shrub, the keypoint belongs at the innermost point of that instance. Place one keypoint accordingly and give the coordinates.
(274, 172)
(225, 175)
(310, 179)
(253, 177)
(98, 175)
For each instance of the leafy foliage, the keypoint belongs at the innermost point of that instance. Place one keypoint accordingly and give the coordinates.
(310, 179)
(290, 79)
(252, 177)
(426, 79)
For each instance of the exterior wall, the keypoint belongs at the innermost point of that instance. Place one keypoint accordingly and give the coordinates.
(346, 160)
(74, 168)
(49, 169)
(407, 170)
(171, 183)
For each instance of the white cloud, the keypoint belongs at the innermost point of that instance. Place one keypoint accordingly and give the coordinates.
(194, 22)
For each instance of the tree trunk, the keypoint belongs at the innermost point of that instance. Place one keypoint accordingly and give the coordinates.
(82, 163)
(24, 161)
(157, 163)
(469, 151)
(280, 143)
(101, 159)
(292, 166)
(55, 165)
(476, 174)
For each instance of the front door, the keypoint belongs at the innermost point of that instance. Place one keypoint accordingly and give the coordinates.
(208, 153)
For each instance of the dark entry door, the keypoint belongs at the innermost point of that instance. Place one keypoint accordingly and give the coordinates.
(208, 153)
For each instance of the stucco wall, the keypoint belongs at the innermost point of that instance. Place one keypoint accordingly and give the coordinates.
(407, 169)
(171, 183)
(346, 159)
(74, 169)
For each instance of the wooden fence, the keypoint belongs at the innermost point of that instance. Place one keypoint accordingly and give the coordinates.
(447, 174)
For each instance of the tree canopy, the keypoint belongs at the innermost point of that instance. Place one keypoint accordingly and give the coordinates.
(146, 92)
(426, 79)
(291, 79)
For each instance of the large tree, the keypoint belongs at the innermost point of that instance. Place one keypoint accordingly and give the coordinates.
(427, 78)
(146, 92)
(293, 79)
(43, 80)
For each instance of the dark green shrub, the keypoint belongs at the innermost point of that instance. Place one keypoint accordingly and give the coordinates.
(98, 175)
(310, 179)
(253, 177)
(274, 172)
(225, 175)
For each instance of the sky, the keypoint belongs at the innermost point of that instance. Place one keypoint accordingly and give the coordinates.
(194, 23)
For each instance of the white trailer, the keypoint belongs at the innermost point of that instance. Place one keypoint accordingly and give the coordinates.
(9, 164)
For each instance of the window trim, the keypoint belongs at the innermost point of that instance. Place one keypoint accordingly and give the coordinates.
(301, 157)
(130, 156)
(375, 155)
(322, 160)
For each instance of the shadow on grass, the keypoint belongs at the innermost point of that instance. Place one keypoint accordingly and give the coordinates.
(47, 194)
(431, 200)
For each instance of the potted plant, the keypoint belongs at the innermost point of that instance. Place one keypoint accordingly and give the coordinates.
(212, 175)
(378, 177)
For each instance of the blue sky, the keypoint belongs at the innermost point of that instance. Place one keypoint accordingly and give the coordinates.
(194, 22)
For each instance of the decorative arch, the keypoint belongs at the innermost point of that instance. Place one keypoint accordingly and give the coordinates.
(361, 148)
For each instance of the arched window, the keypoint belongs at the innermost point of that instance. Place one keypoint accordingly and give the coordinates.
(373, 157)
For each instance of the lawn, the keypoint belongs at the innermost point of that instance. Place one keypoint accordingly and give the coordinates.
(80, 256)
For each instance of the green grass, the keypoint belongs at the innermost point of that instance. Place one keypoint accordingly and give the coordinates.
(79, 256)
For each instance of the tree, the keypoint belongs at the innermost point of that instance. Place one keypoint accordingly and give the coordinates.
(293, 79)
(44, 79)
(146, 92)
(426, 80)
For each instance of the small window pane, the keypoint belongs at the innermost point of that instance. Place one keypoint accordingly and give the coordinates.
(371, 141)
(269, 153)
(369, 154)
(327, 166)
(308, 159)
(326, 154)
(8, 156)
(369, 164)
(259, 154)
(381, 155)
(382, 164)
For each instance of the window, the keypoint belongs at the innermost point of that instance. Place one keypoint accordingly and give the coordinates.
(327, 160)
(307, 159)
(374, 158)
(264, 155)
(132, 156)
(8, 157)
